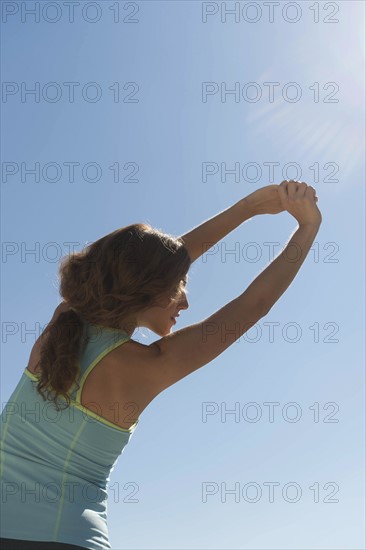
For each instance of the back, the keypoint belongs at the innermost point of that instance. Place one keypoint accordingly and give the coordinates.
(55, 465)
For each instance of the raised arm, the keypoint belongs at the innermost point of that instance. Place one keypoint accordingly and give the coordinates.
(178, 354)
(203, 237)
(207, 234)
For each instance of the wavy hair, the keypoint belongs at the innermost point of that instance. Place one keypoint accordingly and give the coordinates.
(106, 284)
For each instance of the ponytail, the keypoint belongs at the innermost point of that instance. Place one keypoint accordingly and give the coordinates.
(60, 349)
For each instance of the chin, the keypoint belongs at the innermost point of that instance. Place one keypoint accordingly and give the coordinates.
(167, 331)
(162, 333)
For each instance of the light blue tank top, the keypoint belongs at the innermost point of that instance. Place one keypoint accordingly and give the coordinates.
(55, 465)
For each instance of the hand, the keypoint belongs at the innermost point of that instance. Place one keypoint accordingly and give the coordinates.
(265, 200)
(299, 199)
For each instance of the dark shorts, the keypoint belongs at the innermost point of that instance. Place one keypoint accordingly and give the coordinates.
(15, 544)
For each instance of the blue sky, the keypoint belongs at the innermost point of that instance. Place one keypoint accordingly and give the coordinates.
(159, 145)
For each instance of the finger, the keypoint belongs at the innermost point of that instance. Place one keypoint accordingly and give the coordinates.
(283, 189)
(312, 188)
(301, 189)
(283, 195)
(292, 188)
(310, 192)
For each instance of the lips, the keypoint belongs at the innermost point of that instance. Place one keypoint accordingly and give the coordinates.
(173, 318)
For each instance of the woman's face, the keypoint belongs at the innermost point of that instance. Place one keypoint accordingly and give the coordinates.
(162, 318)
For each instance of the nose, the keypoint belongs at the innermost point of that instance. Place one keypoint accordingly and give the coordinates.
(183, 304)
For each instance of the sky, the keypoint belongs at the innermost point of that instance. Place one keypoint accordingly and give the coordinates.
(169, 112)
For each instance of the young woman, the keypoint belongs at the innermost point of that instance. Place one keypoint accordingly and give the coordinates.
(87, 382)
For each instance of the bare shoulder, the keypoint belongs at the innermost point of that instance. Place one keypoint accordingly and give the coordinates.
(136, 369)
(136, 359)
(135, 351)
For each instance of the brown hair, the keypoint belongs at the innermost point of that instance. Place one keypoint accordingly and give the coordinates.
(124, 272)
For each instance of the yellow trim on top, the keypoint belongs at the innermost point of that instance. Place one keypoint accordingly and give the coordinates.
(30, 374)
(88, 412)
(103, 420)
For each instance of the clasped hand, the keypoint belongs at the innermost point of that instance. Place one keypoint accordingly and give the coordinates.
(266, 200)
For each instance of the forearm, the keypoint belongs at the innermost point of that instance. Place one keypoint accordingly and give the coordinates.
(277, 277)
(206, 235)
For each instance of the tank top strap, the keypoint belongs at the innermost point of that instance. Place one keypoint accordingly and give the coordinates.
(97, 341)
